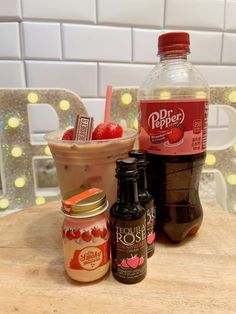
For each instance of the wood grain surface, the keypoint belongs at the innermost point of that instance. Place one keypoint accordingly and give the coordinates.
(198, 276)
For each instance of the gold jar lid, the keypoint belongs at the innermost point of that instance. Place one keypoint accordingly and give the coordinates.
(86, 204)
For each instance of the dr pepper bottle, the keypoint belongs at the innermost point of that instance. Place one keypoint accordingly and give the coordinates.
(173, 109)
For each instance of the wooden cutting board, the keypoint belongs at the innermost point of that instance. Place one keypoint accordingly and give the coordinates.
(198, 276)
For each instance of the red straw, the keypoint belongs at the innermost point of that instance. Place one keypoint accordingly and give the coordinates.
(108, 103)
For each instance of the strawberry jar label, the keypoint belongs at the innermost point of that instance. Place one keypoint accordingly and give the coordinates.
(90, 257)
(129, 242)
(173, 127)
(86, 249)
(85, 235)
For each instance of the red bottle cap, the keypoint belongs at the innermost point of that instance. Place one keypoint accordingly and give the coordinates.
(174, 41)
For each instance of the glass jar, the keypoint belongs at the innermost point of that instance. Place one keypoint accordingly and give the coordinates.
(85, 233)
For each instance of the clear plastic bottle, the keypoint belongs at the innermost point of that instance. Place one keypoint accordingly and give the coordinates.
(173, 108)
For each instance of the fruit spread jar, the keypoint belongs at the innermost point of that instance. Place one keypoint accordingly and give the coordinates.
(85, 235)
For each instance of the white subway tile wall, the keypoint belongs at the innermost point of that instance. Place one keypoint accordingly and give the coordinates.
(229, 48)
(60, 10)
(102, 43)
(145, 45)
(12, 74)
(83, 45)
(205, 47)
(131, 12)
(218, 75)
(42, 41)
(121, 75)
(230, 20)
(9, 41)
(10, 10)
(195, 14)
(80, 78)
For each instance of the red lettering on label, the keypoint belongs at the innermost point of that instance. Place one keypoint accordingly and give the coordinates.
(91, 257)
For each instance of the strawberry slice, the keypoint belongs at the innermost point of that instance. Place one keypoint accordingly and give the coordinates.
(107, 130)
(68, 135)
(176, 134)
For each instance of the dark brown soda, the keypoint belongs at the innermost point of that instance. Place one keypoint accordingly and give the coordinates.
(174, 181)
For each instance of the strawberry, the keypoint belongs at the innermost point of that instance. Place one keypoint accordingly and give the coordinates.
(68, 135)
(96, 232)
(107, 130)
(133, 262)
(124, 264)
(86, 236)
(104, 232)
(141, 260)
(77, 234)
(150, 238)
(70, 234)
(176, 134)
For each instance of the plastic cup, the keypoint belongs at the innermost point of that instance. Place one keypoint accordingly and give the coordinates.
(83, 165)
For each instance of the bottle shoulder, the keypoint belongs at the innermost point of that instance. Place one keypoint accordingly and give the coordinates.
(127, 211)
(180, 78)
(145, 198)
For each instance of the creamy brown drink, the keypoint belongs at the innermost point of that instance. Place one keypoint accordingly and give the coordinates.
(82, 165)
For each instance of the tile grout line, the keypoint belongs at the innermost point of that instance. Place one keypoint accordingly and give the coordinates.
(22, 43)
(98, 79)
(96, 12)
(221, 58)
(132, 44)
(122, 63)
(22, 46)
(62, 41)
(223, 32)
(164, 14)
(117, 25)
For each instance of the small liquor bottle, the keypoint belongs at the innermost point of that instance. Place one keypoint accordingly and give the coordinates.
(128, 226)
(145, 198)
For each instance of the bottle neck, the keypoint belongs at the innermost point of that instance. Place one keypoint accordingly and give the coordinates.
(173, 55)
(128, 191)
(142, 181)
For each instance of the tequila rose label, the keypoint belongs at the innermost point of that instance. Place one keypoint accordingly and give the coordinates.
(129, 239)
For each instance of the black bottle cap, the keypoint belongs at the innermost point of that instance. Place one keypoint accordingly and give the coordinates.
(126, 168)
(140, 155)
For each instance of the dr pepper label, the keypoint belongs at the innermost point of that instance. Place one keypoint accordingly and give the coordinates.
(173, 127)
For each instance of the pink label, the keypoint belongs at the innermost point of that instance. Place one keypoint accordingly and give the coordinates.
(173, 127)
(86, 242)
